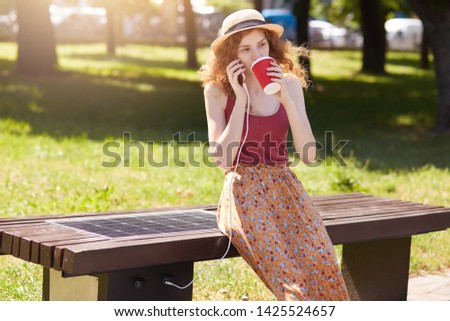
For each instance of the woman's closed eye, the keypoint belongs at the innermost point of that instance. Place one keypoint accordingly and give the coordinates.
(247, 49)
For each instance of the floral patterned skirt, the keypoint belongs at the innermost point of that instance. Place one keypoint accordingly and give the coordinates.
(280, 234)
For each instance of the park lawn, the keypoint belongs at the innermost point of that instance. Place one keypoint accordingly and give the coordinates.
(54, 132)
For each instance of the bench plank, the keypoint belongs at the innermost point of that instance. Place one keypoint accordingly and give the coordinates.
(36, 241)
(8, 233)
(47, 249)
(378, 212)
(108, 256)
(13, 236)
(58, 233)
(378, 228)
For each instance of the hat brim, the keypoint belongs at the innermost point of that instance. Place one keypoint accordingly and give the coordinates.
(278, 29)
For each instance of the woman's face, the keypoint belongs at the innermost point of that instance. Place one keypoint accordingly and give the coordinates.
(252, 46)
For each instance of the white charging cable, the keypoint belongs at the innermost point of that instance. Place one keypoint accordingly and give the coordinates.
(238, 157)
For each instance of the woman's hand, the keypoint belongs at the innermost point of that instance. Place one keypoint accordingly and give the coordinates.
(236, 69)
(277, 75)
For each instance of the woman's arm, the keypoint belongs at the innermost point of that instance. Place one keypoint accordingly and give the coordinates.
(224, 138)
(304, 141)
(291, 96)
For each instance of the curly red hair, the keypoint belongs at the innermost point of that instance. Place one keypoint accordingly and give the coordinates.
(283, 51)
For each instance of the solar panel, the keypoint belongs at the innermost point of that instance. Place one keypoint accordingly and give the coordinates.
(144, 224)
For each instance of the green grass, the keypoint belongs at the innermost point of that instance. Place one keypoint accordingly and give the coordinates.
(53, 131)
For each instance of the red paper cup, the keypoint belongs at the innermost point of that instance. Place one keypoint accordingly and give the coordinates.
(259, 68)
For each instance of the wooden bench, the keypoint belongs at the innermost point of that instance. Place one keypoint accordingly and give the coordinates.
(375, 233)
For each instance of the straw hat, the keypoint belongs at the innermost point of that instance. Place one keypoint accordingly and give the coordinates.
(244, 20)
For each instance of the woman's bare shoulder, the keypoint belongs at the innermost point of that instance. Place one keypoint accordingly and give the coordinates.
(294, 83)
(292, 79)
(214, 94)
(213, 89)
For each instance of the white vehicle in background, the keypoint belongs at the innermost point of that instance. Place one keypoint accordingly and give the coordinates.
(403, 34)
(8, 26)
(327, 35)
(77, 22)
(322, 34)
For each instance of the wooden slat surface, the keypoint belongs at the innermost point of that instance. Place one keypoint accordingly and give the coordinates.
(81, 259)
(47, 249)
(67, 236)
(351, 217)
(8, 233)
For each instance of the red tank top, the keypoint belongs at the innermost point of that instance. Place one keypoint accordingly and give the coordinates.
(266, 140)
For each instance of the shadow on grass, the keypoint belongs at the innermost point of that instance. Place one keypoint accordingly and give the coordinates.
(148, 62)
(385, 122)
(408, 62)
(73, 104)
(386, 125)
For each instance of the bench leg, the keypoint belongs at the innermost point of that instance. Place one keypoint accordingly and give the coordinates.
(377, 270)
(57, 288)
(132, 285)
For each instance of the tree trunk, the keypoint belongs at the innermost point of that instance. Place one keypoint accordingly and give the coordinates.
(191, 34)
(435, 16)
(258, 5)
(169, 15)
(113, 24)
(424, 51)
(301, 12)
(36, 39)
(110, 34)
(372, 25)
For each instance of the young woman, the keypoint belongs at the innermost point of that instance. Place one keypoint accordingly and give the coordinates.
(272, 221)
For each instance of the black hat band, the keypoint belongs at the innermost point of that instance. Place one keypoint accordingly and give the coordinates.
(245, 24)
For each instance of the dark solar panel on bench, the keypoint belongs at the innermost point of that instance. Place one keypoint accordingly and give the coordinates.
(119, 226)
